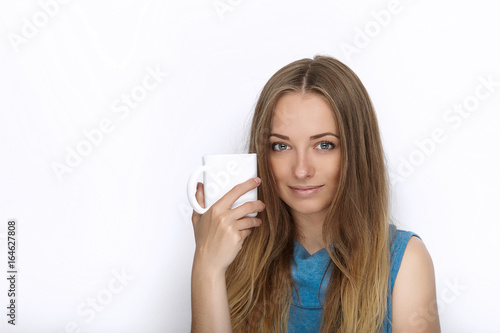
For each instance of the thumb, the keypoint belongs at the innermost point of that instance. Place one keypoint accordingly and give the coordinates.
(200, 197)
(200, 194)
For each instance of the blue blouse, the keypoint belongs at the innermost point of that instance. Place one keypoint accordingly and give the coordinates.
(308, 274)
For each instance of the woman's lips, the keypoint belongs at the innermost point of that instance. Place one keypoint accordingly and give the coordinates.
(306, 191)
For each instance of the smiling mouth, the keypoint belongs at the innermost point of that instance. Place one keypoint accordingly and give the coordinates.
(306, 191)
(304, 188)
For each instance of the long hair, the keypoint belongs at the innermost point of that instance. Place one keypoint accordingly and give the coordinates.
(259, 281)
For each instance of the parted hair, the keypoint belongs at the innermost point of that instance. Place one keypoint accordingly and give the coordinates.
(259, 281)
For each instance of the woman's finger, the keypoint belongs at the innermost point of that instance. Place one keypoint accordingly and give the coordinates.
(200, 194)
(237, 191)
(248, 208)
(245, 233)
(200, 197)
(247, 223)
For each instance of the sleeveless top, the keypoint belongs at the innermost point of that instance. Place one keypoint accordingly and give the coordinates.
(308, 273)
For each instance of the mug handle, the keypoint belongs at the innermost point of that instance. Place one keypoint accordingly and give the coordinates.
(191, 190)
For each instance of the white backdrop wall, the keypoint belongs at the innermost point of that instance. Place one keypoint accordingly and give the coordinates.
(107, 106)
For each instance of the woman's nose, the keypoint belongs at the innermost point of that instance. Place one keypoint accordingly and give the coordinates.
(303, 167)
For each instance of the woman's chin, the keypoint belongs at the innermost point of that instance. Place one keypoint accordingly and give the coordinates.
(305, 210)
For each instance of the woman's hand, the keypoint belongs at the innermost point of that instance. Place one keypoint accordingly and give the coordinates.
(220, 231)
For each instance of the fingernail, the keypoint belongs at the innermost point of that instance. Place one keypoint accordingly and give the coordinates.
(257, 180)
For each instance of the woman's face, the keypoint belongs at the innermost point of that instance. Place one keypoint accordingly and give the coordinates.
(305, 153)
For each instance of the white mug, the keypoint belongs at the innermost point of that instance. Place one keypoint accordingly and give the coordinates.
(220, 174)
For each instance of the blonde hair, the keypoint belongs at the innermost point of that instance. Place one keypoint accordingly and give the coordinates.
(259, 280)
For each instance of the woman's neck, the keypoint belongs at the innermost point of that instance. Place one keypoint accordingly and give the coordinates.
(310, 231)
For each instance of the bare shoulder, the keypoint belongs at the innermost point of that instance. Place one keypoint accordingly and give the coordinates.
(416, 257)
(414, 306)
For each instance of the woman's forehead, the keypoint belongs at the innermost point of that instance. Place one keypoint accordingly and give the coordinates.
(303, 112)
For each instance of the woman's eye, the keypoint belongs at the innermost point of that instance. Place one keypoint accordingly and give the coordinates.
(279, 146)
(326, 145)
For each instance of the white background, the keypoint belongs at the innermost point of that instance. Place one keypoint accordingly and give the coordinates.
(122, 209)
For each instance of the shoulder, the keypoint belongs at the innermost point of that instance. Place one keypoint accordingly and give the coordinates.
(414, 306)
(416, 267)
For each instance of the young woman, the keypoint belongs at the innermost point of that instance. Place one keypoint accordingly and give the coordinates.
(321, 255)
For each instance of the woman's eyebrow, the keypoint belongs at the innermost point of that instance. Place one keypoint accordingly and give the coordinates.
(314, 137)
(317, 136)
